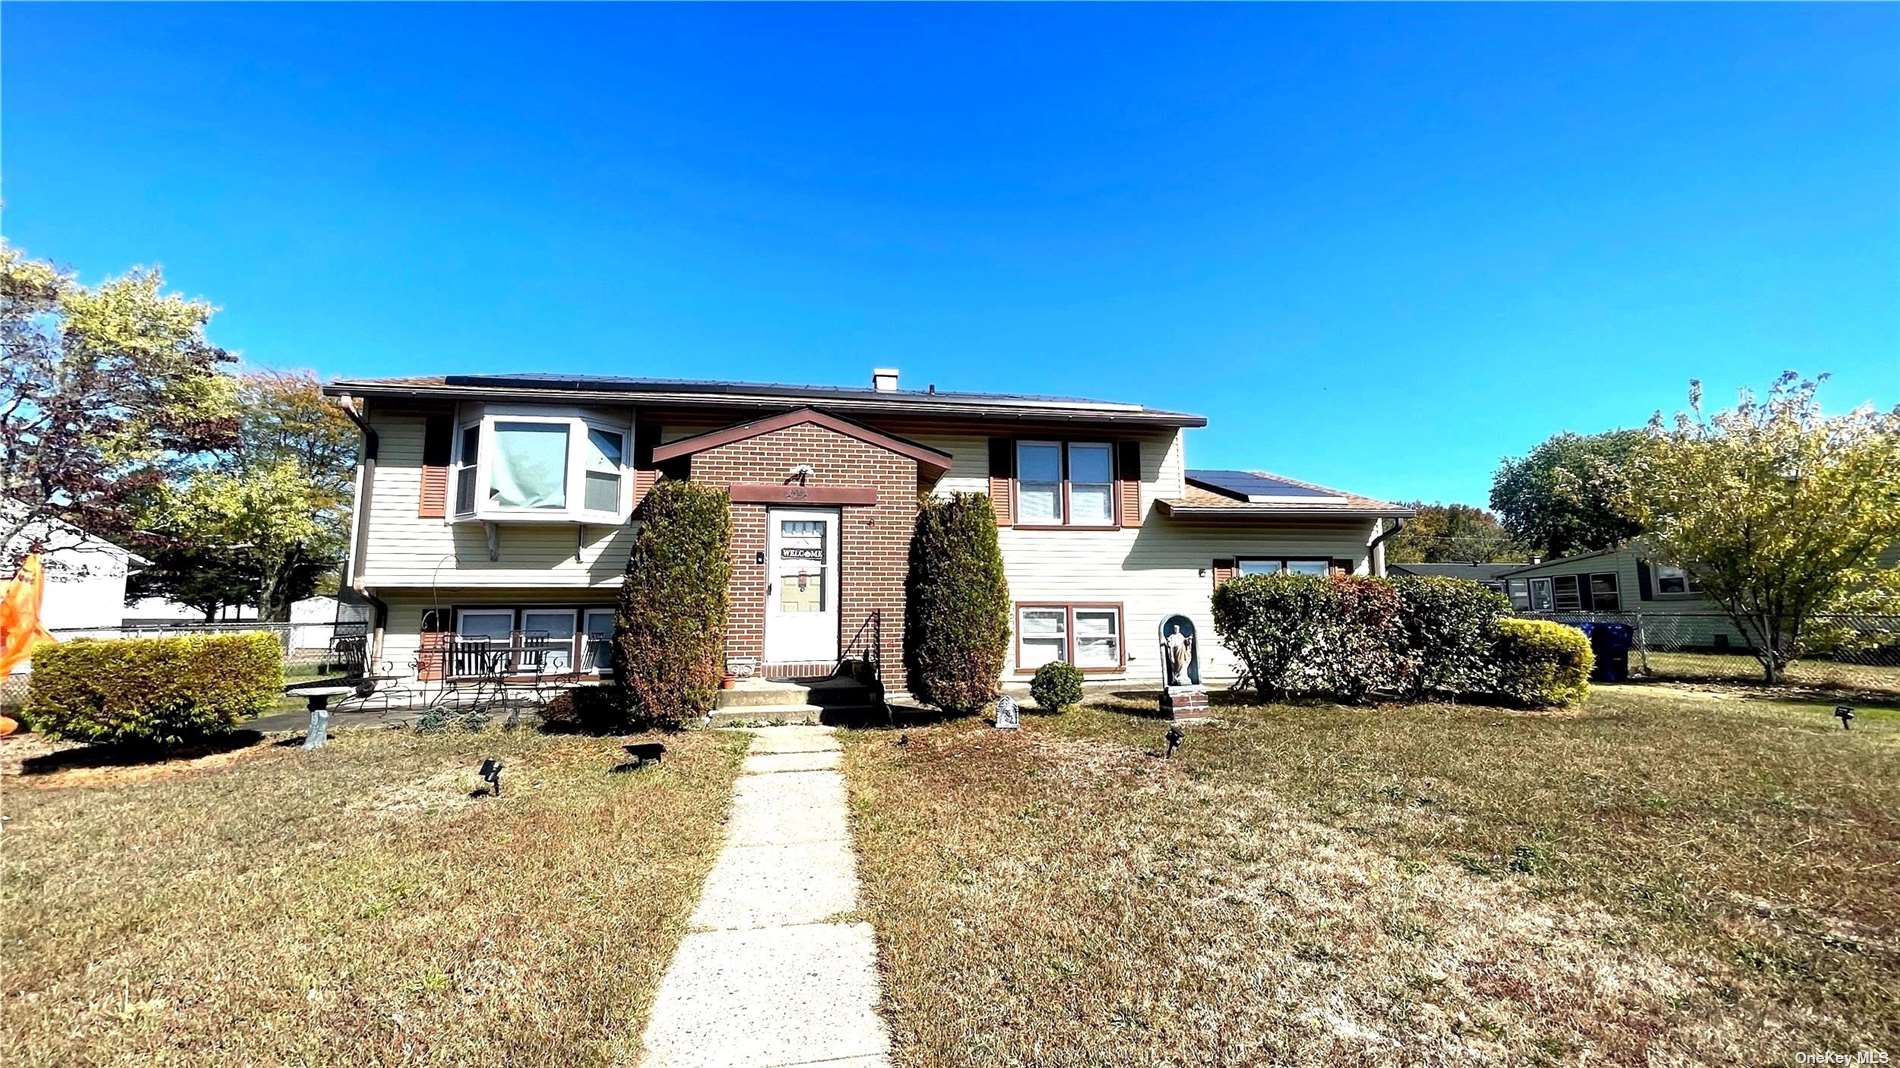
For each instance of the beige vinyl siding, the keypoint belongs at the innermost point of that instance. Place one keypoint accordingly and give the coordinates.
(405, 550)
(1161, 569)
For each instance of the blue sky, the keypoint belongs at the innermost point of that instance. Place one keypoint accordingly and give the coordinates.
(1378, 247)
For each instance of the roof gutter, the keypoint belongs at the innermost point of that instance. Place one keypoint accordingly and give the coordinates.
(867, 405)
(1255, 511)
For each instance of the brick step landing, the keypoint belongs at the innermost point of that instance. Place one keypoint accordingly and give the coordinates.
(825, 693)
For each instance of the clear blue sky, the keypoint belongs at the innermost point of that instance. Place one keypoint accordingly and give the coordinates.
(1378, 247)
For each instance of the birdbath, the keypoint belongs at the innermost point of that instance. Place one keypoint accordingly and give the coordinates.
(318, 695)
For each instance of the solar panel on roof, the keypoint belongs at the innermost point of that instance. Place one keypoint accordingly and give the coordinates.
(1256, 488)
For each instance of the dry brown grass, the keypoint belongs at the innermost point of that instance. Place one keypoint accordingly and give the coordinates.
(1658, 878)
(355, 905)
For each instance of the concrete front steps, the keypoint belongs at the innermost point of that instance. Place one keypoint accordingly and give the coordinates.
(754, 702)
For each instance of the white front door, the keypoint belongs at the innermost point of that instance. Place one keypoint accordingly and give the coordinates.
(801, 593)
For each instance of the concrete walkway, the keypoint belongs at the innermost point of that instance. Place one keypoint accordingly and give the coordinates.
(769, 976)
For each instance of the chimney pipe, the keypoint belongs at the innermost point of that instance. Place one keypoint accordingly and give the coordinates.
(884, 379)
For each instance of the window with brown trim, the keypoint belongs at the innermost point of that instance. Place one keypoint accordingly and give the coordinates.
(548, 639)
(1065, 484)
(1090, 636)
(1298, 565)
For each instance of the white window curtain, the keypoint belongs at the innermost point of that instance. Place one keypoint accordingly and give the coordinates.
(1038, 482)
(1091, 485)
(530, 466)
(1097, 638)
(1043, 635)
(604, 451)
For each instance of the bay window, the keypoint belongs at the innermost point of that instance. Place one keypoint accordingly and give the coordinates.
(526, 463)
(1088, 636)
(1065, 483)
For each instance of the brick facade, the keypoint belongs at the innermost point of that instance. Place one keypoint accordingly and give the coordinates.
(873, 540)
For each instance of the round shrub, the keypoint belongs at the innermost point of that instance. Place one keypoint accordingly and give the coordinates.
(1304, 634)
(956, 625)
(670, 631)
(1541, 663)
(1057, 686)
(588, 710)
(153, 691)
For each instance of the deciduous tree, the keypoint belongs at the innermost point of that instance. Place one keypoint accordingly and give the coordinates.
(106, 392)
(1453, 533)
(1563, 497)
(1778, 511)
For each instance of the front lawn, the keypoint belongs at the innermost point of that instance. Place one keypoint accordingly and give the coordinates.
(1661, 877)
(355, 905)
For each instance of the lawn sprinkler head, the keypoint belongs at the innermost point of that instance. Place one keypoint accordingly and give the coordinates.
(1174, 736)
(1845, 715)
(491, 773)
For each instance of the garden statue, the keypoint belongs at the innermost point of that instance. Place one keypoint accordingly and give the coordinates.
(1180, 656)
(1184, 697)
(1008, 716)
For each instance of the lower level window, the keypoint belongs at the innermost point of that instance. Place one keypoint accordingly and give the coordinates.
(551, 641)
(1293, 565)
(1086, 635)
(1674, 580)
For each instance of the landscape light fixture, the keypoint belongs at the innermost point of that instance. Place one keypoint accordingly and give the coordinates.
(491, 773)
(1174, 737)
(1845, 715)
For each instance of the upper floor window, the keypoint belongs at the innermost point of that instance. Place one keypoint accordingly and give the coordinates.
(511, 465)
(1065, 483)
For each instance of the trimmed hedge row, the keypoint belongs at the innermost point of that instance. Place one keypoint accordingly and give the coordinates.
(1351, 638)
(153, 691)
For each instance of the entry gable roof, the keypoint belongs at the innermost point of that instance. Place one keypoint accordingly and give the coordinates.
(936, 463)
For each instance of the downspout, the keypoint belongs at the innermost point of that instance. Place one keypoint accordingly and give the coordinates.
(1376, 547)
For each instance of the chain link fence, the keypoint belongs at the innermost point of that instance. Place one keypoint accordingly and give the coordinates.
(1855, 652)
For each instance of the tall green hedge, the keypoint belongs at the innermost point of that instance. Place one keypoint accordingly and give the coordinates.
(1450, 630)
(1355, 638)
(153, 691)
(956, 629)
(670, 631)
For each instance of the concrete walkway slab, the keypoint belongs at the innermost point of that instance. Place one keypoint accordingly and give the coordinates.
(766, 981)
(822, 760)
(776, 885)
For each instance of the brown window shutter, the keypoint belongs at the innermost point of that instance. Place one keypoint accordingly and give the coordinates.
(646, 436)
(1002, 467)
(1223, 571)
(438, 432)
(1128, 482)
(432, 655)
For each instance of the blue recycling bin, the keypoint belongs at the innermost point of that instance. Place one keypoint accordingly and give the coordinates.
(1610, 642)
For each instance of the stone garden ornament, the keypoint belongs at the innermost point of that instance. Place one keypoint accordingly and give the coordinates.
(1184, 697)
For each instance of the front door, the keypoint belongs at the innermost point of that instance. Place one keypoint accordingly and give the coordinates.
(801, 593)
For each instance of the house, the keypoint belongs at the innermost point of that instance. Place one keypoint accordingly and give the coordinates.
(489, 506)
(1487, 575)
(1624, 579)
(85, 575)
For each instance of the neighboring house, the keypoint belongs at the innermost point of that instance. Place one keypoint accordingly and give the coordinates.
(161, 612)
(1488, 575)
(1624, 579)
(491, 505)
(85, 576)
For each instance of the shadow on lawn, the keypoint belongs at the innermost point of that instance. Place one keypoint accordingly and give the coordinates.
(128, 756)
